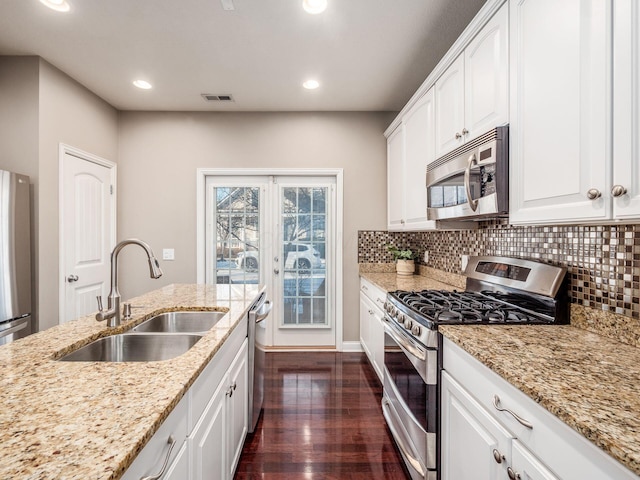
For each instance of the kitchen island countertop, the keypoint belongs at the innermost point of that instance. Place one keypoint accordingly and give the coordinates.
(590, 382)
(88, 420)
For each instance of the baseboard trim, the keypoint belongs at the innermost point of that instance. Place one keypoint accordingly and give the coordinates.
(352, 347)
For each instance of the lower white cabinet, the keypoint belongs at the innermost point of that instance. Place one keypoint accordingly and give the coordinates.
(372, 324)
(482, 439)
(217, 439)
(203, 436)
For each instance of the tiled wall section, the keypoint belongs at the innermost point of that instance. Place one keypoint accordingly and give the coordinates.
(603, 261)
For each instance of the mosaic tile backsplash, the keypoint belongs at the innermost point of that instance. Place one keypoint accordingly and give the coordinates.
(603, 261)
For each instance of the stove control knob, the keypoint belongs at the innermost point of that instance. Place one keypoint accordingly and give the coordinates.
(416, 330)
(408, 324)
(400, 318)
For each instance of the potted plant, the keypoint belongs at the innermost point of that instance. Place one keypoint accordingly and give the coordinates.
(405, 264)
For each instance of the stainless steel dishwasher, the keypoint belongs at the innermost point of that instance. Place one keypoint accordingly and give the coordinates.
(257, 336)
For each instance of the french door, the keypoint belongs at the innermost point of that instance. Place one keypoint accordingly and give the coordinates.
(280, 231)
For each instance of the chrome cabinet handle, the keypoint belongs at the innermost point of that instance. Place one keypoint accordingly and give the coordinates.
(379, 300)
(371, 312)
(522, 421)
(618, 190)
(72, 278)
(473, 204)
(593, 193)
(172, 443)
(402, 222)
(513, 475)
(276, 271)
(364, 287)
(458, 136)
(497, 456)
(464, 131)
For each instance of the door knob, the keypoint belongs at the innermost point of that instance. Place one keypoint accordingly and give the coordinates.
(72, 278)
(618, 190)
(276, 271)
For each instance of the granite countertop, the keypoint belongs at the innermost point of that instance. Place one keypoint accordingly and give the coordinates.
(390, 282)
(88, 420)
(589, 381)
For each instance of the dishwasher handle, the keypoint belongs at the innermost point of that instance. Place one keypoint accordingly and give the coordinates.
(260, 313)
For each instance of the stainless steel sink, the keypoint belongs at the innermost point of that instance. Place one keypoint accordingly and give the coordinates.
(180, 322)
(134, 348)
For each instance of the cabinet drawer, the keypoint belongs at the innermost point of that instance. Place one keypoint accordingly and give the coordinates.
(151, 458)
(565, 451)
(374, 293)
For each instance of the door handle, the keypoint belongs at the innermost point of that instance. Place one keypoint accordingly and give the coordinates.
(72, 278)
(276, 271)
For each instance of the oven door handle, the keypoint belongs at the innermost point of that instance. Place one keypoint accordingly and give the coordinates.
(405, 343)
(413, 461)
(473, 204)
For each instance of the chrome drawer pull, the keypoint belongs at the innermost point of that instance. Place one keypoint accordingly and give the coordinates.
(496, 404)
(172, 443)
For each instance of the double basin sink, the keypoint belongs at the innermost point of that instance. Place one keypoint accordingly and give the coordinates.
(162, 337)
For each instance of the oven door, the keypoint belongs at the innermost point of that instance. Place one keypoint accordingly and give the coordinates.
(409, 400)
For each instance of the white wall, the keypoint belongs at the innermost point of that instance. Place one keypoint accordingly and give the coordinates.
(160, 152)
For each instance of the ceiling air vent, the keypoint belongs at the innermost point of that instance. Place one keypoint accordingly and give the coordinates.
(209, 97)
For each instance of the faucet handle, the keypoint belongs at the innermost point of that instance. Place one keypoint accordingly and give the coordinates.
(126, 311)
(99, 300)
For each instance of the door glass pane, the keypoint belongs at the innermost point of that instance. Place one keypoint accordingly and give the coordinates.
(237, 224)
(303, 220)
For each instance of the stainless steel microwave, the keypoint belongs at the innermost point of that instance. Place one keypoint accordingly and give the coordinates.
(471, 182)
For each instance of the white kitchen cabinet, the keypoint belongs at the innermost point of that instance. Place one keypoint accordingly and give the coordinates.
(180, 467)
(473, 443)
(410, 148)
(472, 95)
(547, 449)
(217, 439)
(560, 111)
(372, 324)
(395, 179)
(626, 109)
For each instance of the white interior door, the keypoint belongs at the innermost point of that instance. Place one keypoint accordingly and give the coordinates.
(87, 231)
(280, 231)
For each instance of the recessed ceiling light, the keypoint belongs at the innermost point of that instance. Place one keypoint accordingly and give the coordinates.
(311, 84)
(57, 5)
(314, 6)
(142, 84)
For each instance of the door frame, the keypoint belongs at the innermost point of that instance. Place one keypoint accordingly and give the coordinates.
(63, 150)
(201, 227)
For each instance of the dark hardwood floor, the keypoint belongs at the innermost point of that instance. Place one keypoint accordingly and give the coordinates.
(322, 420)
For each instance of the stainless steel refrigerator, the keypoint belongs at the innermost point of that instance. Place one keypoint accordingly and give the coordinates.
(15, 257)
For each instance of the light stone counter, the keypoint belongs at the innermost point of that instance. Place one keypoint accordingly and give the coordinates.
(88, 420)
(588, 380)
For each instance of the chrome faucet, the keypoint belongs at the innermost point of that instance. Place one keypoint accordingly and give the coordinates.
(113, 314)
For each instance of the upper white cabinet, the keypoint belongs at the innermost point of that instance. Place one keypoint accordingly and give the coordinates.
(626, 109)
(560, 158)
(472, 95)
(410, 148)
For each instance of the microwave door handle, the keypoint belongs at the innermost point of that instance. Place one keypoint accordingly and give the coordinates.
(473, 204)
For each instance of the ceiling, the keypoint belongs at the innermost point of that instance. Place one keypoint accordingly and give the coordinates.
(368, 55)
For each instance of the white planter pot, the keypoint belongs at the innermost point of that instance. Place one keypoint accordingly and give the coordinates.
(405, 268)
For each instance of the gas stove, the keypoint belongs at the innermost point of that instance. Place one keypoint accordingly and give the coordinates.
(499, 290)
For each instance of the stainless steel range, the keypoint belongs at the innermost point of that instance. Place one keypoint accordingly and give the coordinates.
(499, 290)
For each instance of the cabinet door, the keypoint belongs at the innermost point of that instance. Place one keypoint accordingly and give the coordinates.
(238, 407)
(419, 137)
(377, 342)
(528, 466)
(365, 316)
(473, 443)
(626, 108)
(449, 98)
(560, 93)
(179, 468)
(486, 83)
(208, 443)
(395, 179)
